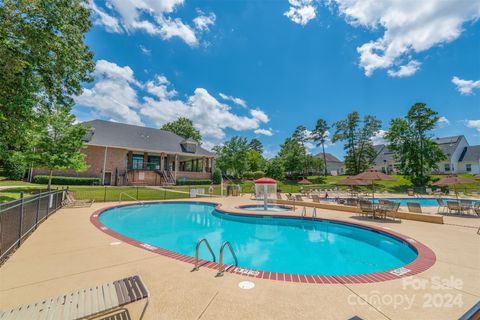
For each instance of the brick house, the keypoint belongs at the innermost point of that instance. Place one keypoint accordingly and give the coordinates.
(123, 154)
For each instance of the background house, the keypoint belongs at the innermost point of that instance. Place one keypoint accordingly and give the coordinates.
(334, 165)
(123, 154)
(460, 157)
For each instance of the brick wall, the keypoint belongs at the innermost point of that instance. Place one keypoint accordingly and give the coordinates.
(194, 175)
(94, 159)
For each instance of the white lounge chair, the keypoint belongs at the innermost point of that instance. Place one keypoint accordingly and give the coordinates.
(85, 303)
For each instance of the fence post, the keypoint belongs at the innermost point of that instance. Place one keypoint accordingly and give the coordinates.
(137, 193)
(38, 208)
(49, 193)
(164, 194)
(22, 208)
(105, 194)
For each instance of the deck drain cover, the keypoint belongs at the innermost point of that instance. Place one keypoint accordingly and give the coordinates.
(116, 243)
(246, 285)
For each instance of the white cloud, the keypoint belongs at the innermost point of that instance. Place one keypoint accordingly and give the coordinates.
(474, 124)
(203, 21)
(110, 23)
(408, 26)
(443, 122)
(235, 100)
(153, 17)
(465, 87)
(159, 88)
(208, 115)
(265, 132)
(113, 94)
(301, 11)
(259, 115)
(379, 137)
(145, 50)
(406, 70)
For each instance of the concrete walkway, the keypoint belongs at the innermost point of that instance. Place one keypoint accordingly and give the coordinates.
(67, 252)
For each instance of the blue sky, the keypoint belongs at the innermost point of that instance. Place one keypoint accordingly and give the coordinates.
(260, 68)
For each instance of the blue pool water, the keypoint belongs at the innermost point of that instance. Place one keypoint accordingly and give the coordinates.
(270, 207)
(425, 202)
(285, 245)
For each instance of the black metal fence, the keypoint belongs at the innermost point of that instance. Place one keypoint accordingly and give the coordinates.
(21, 217)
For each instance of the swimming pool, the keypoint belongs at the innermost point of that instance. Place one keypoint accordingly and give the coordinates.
(425, 202)
(270, 207)
(273, 244)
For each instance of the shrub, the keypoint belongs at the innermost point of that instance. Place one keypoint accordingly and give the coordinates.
(59, 180)
(217, 176)
(248, 175)
(192, 182)
(14, 167)
(258, 174)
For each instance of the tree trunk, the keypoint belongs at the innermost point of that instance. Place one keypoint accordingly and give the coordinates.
(50, 180)
(324, 161)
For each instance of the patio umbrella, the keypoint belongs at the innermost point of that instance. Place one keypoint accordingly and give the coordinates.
(453, 179)
(352, 182)
(372, 176)
(304, 181)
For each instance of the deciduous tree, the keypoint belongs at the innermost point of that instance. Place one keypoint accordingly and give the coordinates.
(417, 154)
(44, 60)
(357, 136)
(184, 128)
(58, 142)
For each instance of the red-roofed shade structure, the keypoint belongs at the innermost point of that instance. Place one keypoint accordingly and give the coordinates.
(265, 181)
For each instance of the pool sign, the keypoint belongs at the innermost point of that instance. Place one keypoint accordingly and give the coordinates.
(247, 272)
(400, 271)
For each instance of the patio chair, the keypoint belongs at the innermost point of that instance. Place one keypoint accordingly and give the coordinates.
(414, 207)
(70, 202)
(441, 205)
(85, 303)
(367, 208)
(466, 206)
(476, 208)
(315, 198)
(279, 196)
(453, 206)
(298, 197)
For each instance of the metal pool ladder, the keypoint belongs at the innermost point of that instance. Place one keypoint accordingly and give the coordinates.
(204, 240)
(221, 268)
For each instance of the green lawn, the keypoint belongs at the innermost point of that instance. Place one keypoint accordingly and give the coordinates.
(100, 193)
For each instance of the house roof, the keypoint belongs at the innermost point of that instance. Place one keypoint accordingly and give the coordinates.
(470, 154)
(329, 157)
(448, 144)
(121, 135)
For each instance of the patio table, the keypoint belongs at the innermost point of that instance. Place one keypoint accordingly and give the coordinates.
(466, 206)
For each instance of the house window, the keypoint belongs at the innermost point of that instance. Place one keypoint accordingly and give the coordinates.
(153, 163)
(137, 161)
(468, 166)
(447, 166)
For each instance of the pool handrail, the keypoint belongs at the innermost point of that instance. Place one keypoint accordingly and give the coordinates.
(221, 269)
(128, 195)
(197, 249)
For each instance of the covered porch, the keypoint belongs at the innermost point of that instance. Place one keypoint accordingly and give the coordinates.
(163, 168)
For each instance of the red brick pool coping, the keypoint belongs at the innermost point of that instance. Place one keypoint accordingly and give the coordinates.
(425, 256)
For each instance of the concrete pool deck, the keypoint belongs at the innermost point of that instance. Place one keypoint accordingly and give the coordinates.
(67, 252)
